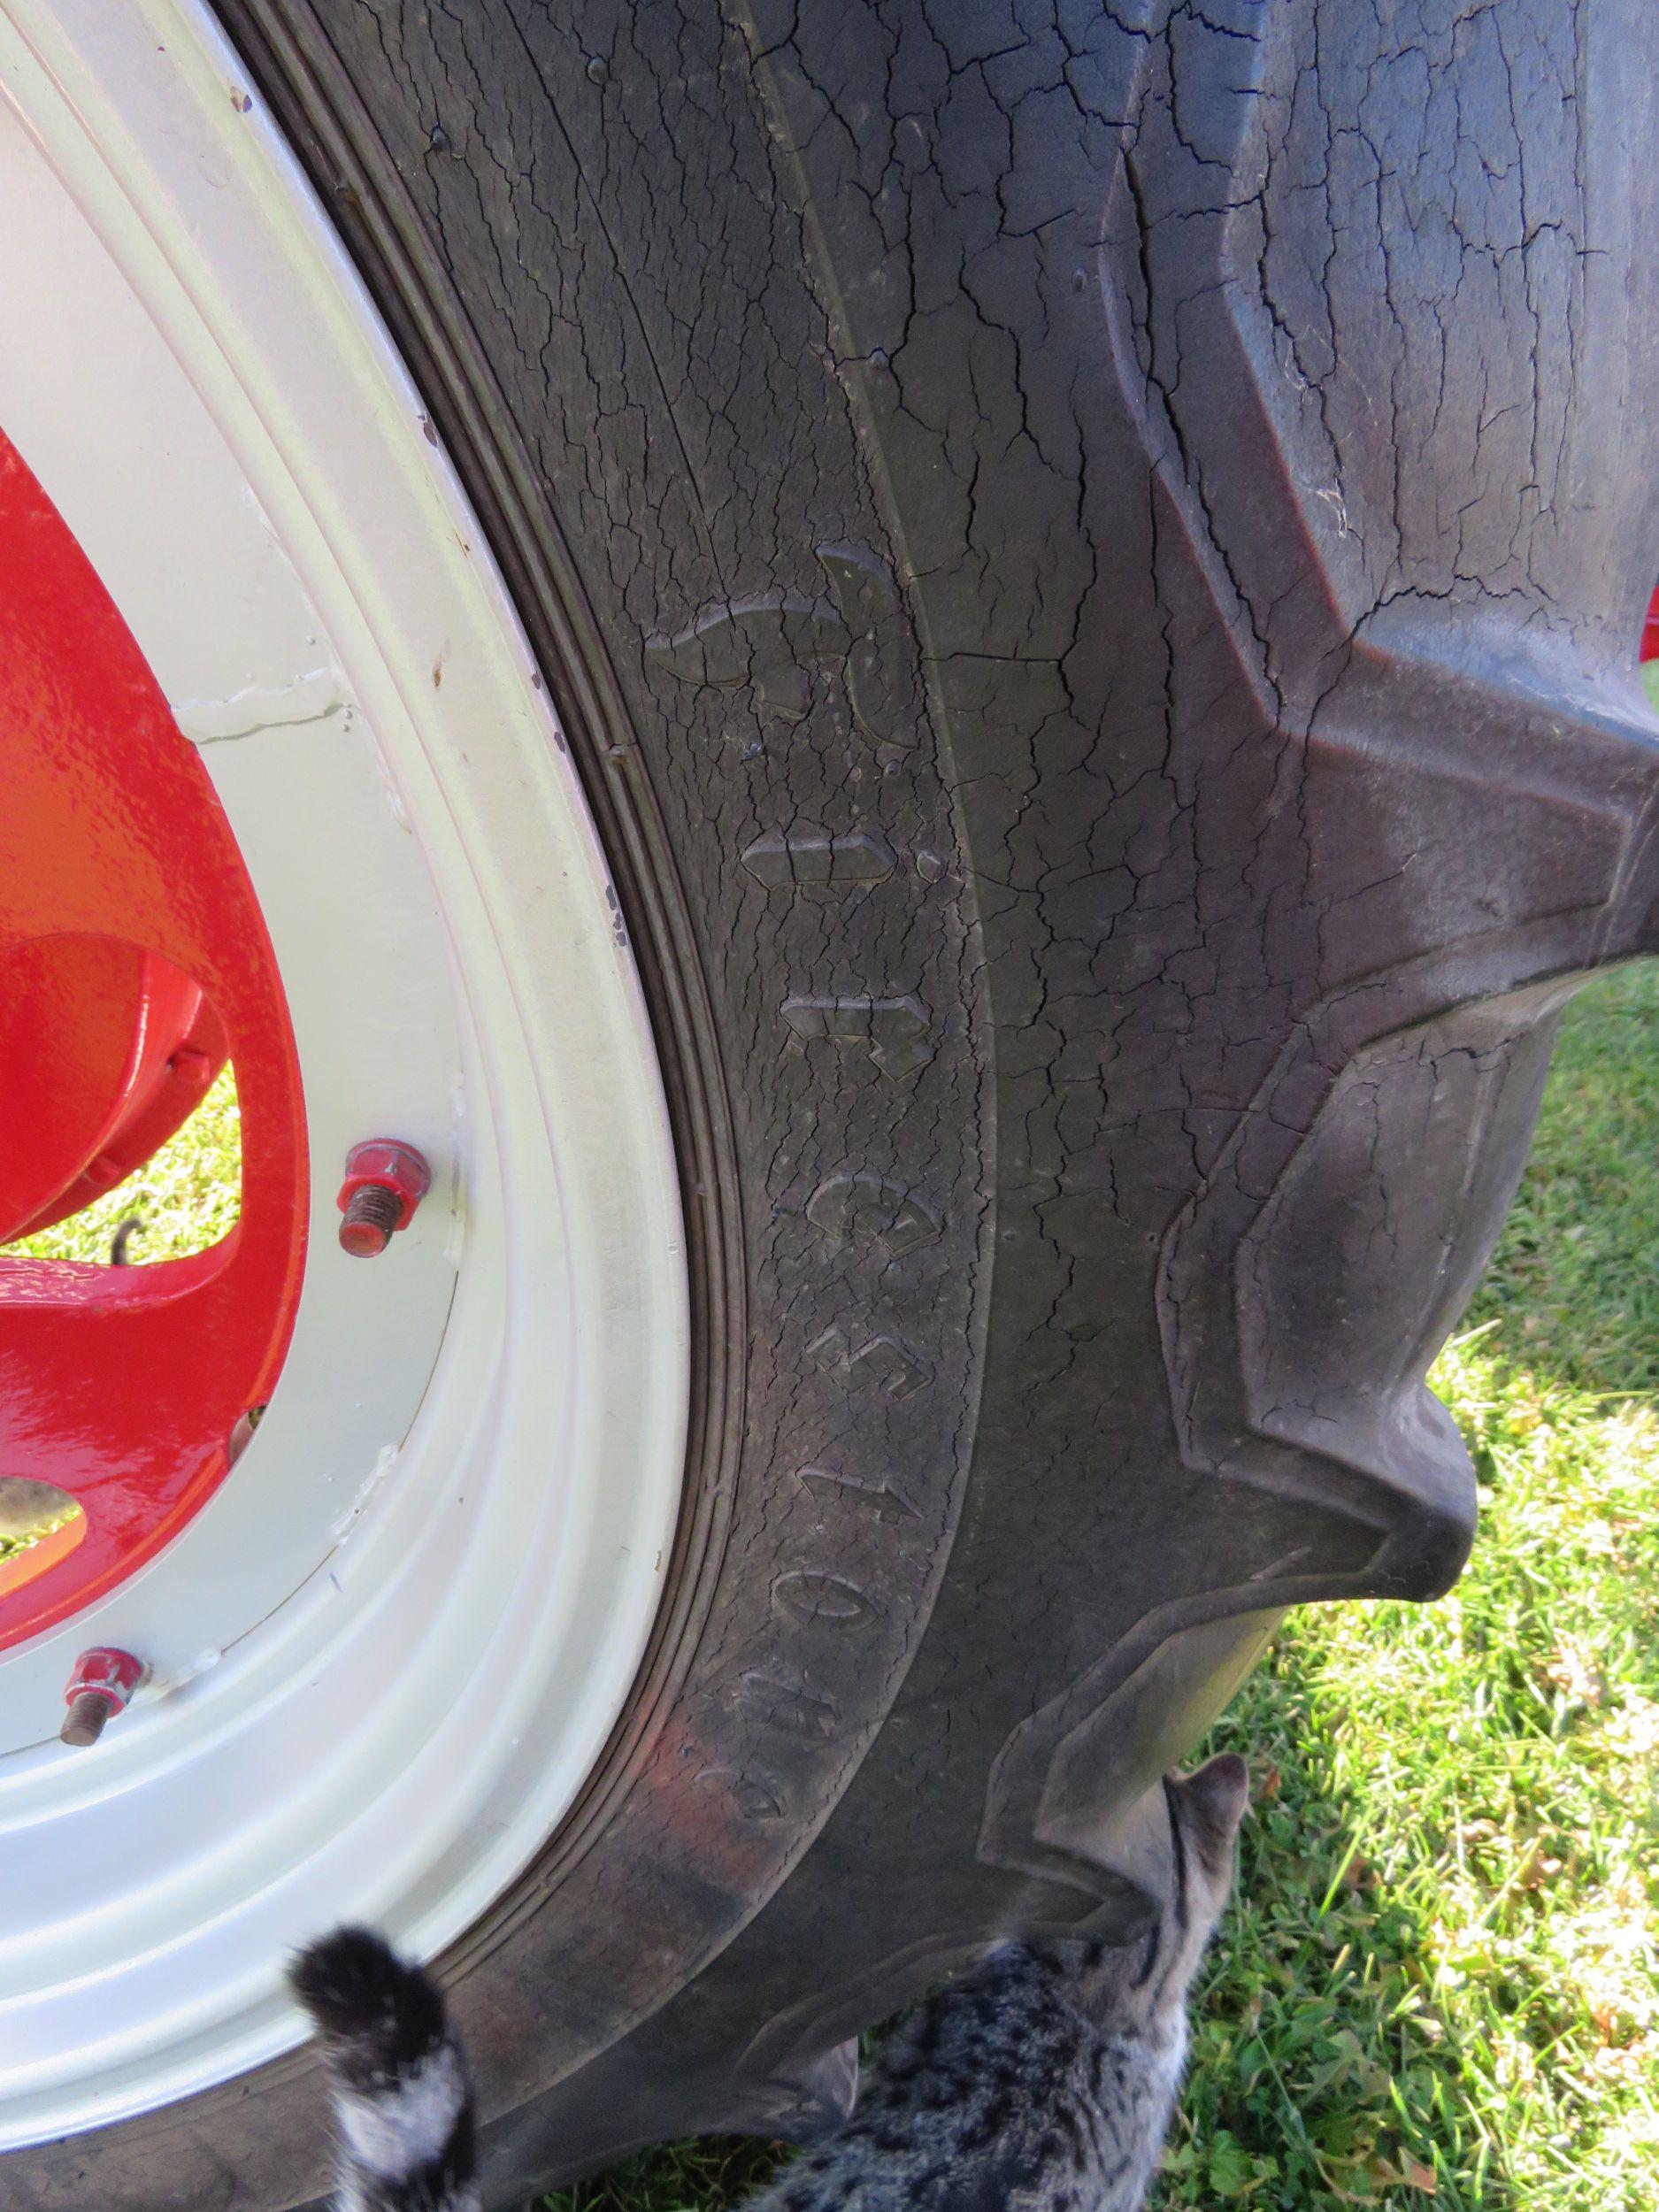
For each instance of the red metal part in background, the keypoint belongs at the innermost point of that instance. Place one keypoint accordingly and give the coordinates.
(1650, 632)
(110, 1049)
(133, 958)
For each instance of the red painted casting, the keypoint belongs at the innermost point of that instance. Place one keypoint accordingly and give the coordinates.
(133, 958)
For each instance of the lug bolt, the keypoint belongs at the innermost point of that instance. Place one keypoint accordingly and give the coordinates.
(101, 1685)
(385, 1182)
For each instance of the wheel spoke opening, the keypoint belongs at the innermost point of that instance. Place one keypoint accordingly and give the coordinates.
(185, 1197)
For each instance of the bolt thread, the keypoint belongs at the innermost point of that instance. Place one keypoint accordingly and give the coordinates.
(372, 1212)
(83, 1723)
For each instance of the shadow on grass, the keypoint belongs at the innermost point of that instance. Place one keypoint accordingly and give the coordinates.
(708, 2175)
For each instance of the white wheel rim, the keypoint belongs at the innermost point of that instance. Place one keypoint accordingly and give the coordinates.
(391, 1647)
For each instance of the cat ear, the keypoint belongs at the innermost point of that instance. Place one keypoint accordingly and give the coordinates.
(1216, 1798)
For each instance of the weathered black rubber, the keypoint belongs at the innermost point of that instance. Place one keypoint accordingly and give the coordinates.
(1090, 560)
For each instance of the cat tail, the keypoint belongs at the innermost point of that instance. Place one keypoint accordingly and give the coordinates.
(397, 2075)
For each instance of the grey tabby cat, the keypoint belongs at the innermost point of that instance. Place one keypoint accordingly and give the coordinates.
(1043, 2080)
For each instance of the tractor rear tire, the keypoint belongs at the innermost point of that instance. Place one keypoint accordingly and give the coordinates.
(1090, 562)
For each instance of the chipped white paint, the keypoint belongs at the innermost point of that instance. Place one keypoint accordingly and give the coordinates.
(309, 698)
(385, 1460)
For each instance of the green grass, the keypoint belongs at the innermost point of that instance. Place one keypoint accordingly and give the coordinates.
(188, 1196)
(1440, 1978)
(703, 2176)
(1443, 1963)
(1576, 1280)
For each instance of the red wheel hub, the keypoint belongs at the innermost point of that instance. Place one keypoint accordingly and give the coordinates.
(133, 959)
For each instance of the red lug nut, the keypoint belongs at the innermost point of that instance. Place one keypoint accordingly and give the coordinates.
(385, 1182)
(101, 1685)
(191, 1068)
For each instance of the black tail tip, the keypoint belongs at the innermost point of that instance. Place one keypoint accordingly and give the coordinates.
(356, 1989)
